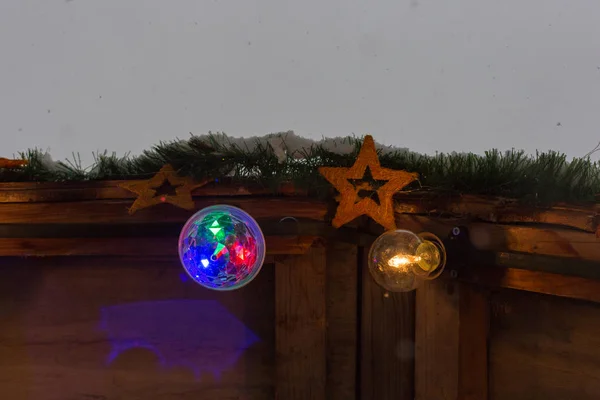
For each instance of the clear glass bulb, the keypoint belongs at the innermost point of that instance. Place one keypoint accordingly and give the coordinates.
(399, 260)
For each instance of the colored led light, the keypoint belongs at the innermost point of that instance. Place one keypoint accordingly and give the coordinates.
(221, 247)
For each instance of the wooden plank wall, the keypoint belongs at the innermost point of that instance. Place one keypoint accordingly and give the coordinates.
(477, 342)
(324, 308)
(352, 340)
(53, 345)
(326, 331)
(59, 352)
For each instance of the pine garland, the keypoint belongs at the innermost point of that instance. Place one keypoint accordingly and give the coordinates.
(541, 178)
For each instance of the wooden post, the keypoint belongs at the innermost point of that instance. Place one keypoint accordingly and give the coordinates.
(473, 343)
(342, 319)
(387, 341)
(300, 338)
(452, 323)
(436, 356)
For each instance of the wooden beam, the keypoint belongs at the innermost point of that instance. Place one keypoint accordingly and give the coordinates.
(536, 240)
(74, 262)
(129, 246)
(533, 262)
(115, 211)
(484, 208)
(269, 227)
(498, 210)
(387, 341)
(545, 240)
(28, 192)
(342, 320)
(534, 281)
(300, 331)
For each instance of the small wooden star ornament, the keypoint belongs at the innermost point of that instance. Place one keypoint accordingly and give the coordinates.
(367, 188)
(164, 187)
(12, 164)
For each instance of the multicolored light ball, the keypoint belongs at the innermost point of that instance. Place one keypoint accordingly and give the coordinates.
(221, 247)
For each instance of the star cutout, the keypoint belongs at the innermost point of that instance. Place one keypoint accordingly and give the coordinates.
(164, 187)
(367, 187)
(354, 182)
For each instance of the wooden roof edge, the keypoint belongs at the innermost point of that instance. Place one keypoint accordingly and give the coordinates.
(413, 201)
(585, 217)
(40, 192)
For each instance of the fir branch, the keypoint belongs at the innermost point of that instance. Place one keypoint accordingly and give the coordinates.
(540, 178)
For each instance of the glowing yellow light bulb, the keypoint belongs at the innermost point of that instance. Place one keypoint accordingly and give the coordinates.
(400, 259)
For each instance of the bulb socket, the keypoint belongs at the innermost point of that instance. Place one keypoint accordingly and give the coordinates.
(435, 271)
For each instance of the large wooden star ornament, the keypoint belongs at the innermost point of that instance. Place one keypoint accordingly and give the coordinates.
(164, 187)
(367, 188)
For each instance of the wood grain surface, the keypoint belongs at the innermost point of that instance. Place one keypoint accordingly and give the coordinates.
(544, 348)
(53, 347)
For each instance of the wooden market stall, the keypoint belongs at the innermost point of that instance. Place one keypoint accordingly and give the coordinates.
(515, 314)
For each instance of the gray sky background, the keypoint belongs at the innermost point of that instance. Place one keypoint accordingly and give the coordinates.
(464, 75)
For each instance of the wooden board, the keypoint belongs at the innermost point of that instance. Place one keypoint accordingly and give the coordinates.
(300, 330)
(437, 338)
(387, 341)
(452, 322)
(541, 240)
(29, 192)
(490, 209)
(473, 343)
(534, 281)
(342, 320)
(544, 348)
(128, 246)
(115, 211)
(499, 210)
(60, 322)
